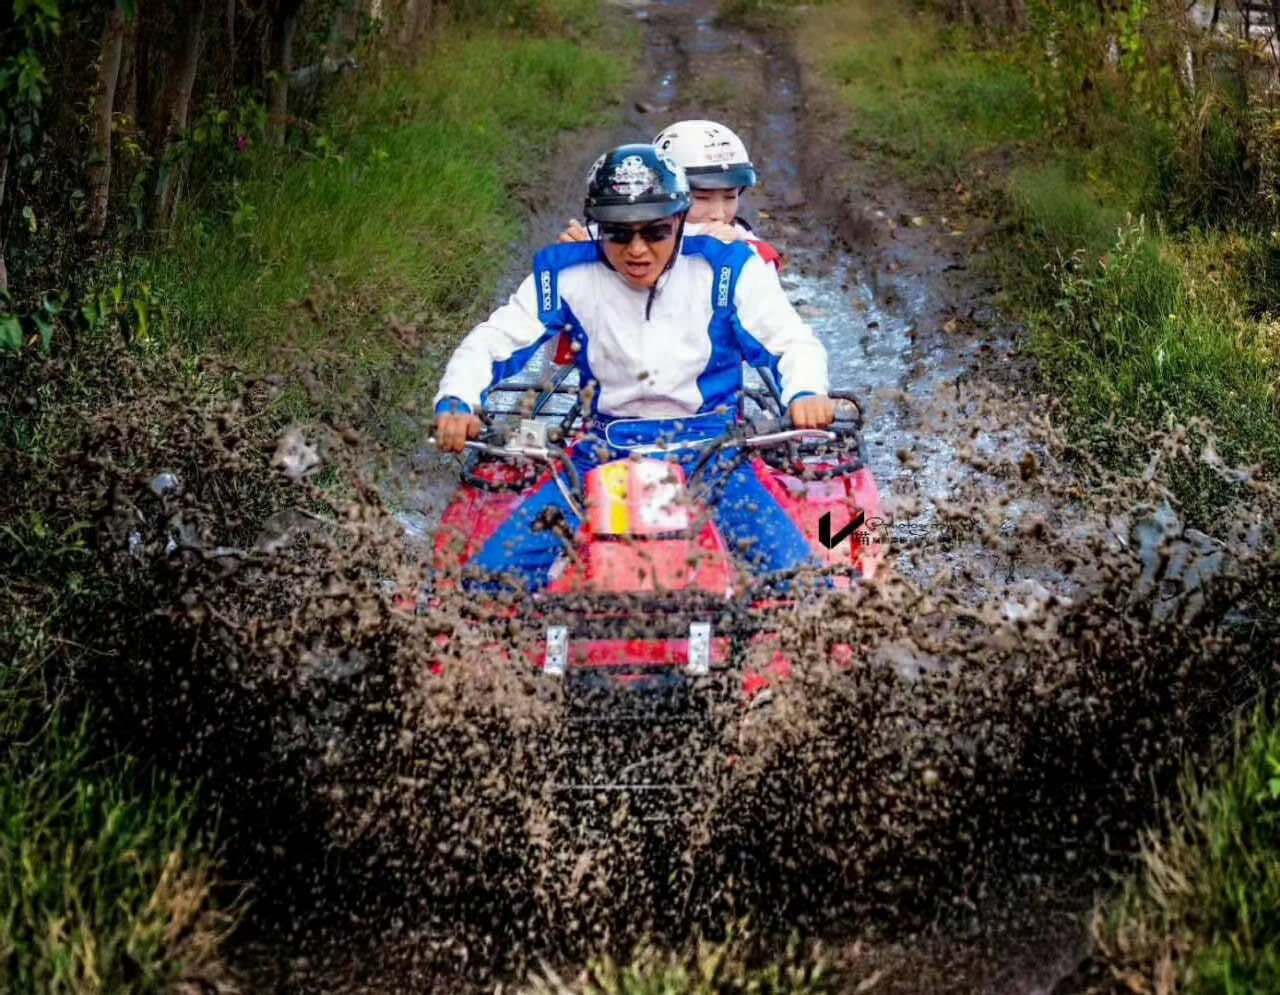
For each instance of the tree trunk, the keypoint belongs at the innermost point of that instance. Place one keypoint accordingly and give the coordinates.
(129, 73)
(4, 176)
(417, 22)
(176, 106)
(104, 109)
(426, 11)
(231, 52)
(408, 26)
(282, 32)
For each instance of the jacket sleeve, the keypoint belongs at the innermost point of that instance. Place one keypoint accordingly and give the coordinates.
(772, 334)
(495, 349)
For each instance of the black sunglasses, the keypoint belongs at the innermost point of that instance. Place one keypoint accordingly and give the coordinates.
(623, 234)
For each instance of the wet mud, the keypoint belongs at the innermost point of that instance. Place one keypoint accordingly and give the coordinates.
(1047, 647)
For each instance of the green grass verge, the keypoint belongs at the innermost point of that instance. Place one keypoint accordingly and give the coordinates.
(406, 210)
(920, 93)
(739, 965)
(102, 886)
(1145, 321)
(1203, 913)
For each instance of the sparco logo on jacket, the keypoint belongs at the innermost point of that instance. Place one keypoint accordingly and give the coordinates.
(546, 290)
(722, 291)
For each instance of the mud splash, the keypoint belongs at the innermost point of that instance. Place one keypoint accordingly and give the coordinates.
(408, 828)
(1049, 646)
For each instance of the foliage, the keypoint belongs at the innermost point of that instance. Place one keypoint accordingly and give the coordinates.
(24, 82)
(415, 191)
(731, 967)
(102, 886)
(1203, 913)
(16, 331)
(158, 157)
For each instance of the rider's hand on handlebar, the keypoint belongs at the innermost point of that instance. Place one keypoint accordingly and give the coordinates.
(574, 233)
(453, 431)
(815, 411)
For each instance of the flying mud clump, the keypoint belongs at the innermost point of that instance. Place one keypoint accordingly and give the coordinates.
(384, 774)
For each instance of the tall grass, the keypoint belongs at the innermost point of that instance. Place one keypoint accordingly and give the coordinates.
(1203, 913)
(406, 208)
(103, 886)
(1143, 329)
(918, 91)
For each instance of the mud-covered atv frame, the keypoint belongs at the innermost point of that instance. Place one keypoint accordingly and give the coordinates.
(813, 454)
(621, 723)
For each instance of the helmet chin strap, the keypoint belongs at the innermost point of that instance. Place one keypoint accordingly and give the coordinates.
(648, 305)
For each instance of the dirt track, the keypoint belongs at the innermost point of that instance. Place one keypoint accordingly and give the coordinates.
(940, 819)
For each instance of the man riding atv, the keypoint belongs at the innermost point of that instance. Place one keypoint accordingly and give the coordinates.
(661, 325)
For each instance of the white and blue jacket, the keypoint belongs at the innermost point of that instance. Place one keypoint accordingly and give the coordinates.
(679, 355)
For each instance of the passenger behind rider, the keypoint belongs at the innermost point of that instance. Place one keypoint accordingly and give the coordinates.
(662, 324)
(716, 162)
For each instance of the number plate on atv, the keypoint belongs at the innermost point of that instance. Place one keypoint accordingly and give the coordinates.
(636, 497)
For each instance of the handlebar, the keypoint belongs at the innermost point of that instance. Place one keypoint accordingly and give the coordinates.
(530, 441)
(494, 443)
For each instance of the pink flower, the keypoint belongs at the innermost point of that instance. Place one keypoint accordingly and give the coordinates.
(242, 143)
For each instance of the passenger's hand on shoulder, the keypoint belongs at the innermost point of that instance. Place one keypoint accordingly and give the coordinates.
(453, 431)
(814, 411)
(724, 232)
(574, 233)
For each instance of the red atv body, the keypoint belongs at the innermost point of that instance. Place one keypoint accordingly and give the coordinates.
(650, 594)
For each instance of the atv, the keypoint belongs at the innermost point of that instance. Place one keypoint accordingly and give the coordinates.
(652, 623)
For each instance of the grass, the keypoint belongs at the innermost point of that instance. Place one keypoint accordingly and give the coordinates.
(104, 884)
(1150, 320)
(1146, 329)
(736, 966)
(1203, 913)
(917, 91)
(392, 234)
(103, 888)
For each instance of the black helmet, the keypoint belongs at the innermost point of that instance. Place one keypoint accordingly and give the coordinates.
(636, 183)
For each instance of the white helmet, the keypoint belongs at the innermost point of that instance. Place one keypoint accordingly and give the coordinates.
(713, 157)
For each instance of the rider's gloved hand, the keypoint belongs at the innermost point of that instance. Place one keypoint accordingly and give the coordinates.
(455, 424)
(813, 411)
(575, 232)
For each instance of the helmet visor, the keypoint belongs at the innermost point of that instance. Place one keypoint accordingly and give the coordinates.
(721, 177)
(630, 213)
